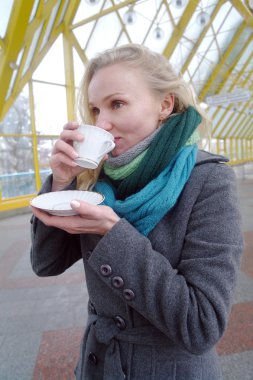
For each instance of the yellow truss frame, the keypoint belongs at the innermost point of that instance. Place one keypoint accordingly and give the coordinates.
(19, 38)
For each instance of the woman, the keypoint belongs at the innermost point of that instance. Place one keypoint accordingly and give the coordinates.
(162, 255)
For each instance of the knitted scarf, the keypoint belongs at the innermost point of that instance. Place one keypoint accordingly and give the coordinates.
(146, 208)
(166, 144)
(144, 198)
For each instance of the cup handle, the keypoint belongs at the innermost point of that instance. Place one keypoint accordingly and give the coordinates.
(107, 147)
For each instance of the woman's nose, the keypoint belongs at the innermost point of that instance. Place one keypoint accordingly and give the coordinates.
(104, 124)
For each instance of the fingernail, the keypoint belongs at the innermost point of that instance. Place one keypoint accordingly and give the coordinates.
(75, 203)
(80, 136)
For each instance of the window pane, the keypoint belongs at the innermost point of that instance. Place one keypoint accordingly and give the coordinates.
(17, 120)
(16, 166)
(45, 147)
(50, 108)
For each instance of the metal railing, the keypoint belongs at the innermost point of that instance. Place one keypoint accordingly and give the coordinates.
(23, 183)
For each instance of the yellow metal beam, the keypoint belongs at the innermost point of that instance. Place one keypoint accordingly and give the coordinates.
(72, 38)
(247, 125)
(180, 28)
(237, 121)
(38, 25)
(235, 82)
(35, 62)
(233, 123)
(70, 12)
(219, 69)
(152, 22)
(1, 44)
(237, 124)
(103, 13)
(225, 17)
(123, 26)
(69, 77)
(34, 139)
(13, 42)
(248, 128)
(244, 11)
(41, 18)
(201, 37)
(17, 202)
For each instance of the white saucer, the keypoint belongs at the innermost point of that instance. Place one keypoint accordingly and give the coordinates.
(86, 163)
(58, 202)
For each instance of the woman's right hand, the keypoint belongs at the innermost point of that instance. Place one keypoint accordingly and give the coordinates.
(62, 163)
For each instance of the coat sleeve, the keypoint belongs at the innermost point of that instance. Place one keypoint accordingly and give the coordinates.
(52, 250)
(190, 303)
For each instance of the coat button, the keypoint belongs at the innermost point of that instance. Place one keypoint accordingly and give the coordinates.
(120, 322)
(93, 358)
(128, 294)
(105, 270)
(117, 282)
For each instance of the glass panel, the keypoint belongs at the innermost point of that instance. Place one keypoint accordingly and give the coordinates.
(245, 56)
(83, 33)
(233, 21)
(45, 147)
(177, 11)
(6, 7)
(97, 43)
(78, 68)
(50, 24)
(51, 68)
(34, 10)
(86, 10)
(62, 14)
(16, 166)
(181, 53)
(162, 21)
(17, 120)
(32, 49)
(50, 108)
(219, 18)
(139, 28)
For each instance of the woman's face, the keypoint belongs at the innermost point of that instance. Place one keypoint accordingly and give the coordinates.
(122, 103)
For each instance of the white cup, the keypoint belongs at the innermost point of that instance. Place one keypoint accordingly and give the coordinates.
(97, 142)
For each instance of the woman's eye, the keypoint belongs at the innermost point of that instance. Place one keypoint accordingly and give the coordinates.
(117, 104)
(94, 111)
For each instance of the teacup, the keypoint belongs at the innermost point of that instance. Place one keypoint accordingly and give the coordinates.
(97, 142)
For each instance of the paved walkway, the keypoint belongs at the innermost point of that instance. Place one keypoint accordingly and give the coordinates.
(42, 319)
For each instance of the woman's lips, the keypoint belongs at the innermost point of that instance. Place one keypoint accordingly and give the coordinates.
(116, 139)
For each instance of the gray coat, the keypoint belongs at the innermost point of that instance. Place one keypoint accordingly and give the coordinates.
(158, 304)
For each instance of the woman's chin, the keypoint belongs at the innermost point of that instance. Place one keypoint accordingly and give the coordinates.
(117, 152)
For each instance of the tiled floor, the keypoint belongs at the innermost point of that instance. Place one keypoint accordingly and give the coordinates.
(42, 319)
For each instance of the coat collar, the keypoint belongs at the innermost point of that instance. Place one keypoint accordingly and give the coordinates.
(204, 157)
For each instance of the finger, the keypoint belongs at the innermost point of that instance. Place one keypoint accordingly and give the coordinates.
(49, 220)
(41, 215)
(61, 158)
(71, 125)
(71, 135)
(65, 148)
(85, 209)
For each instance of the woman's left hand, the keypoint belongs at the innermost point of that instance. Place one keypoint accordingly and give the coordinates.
(90, 219)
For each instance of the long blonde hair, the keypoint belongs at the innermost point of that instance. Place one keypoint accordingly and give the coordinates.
(160, 77)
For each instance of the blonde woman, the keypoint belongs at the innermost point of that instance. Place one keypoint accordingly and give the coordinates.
(161, 255)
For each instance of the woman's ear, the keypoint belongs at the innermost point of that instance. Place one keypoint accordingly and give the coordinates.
(166, 106)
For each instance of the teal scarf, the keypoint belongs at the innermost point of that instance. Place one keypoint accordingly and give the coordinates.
(147, 207)
(167, 143)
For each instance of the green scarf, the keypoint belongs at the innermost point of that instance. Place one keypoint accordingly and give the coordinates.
(124, 171)
(166, 144)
